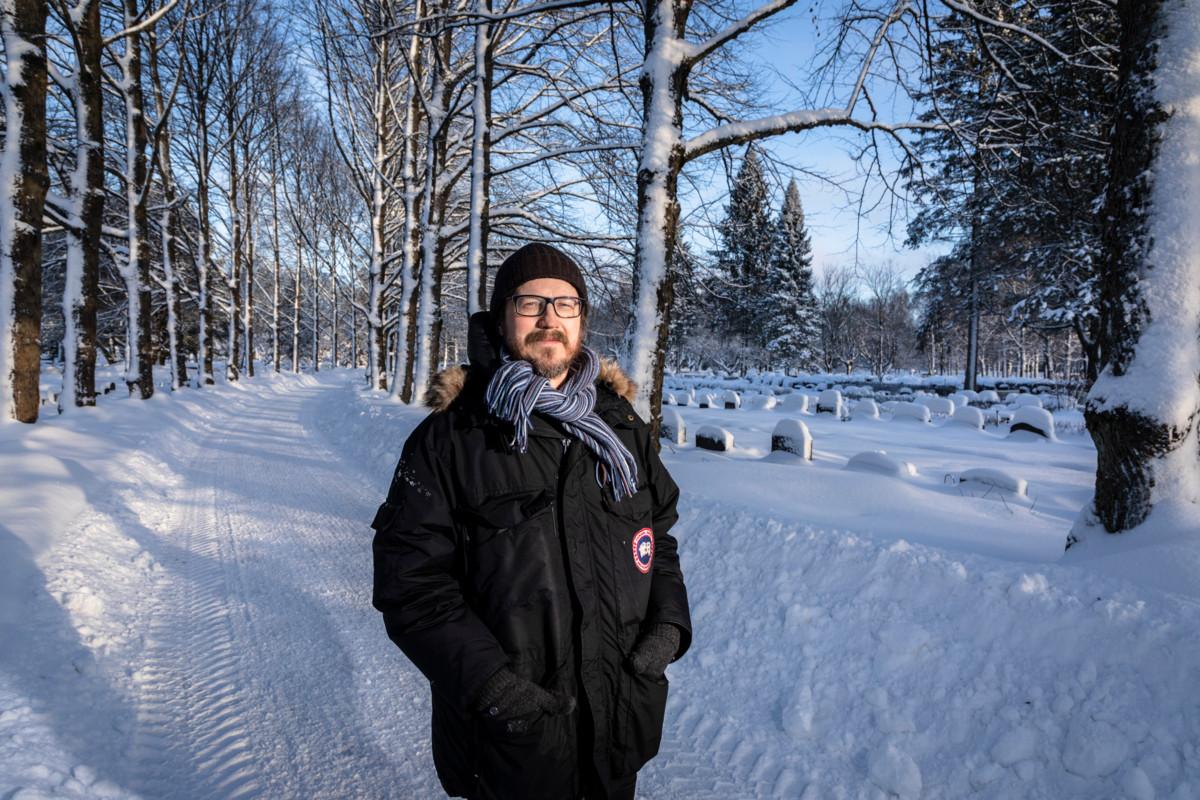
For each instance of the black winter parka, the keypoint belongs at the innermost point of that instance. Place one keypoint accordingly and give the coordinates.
(488, 558)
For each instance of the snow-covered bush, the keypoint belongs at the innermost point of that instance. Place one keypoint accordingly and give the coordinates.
(711, 437)
(792, 436)
(880, 462)
(912, 412)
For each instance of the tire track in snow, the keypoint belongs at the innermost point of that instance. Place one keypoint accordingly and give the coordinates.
(268, 673)
(192, 740)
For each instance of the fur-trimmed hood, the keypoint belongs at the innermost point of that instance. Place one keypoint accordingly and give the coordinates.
(448, 384)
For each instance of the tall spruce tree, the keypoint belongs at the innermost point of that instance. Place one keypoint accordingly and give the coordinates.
(744, 256)
(790, 317)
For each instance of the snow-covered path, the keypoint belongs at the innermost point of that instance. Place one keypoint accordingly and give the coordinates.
(257, 667)
(185, 613)
(258, 678)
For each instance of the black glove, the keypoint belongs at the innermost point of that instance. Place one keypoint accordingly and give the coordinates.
(507, 696)
(655, 648)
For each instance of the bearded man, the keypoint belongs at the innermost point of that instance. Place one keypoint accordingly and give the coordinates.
(523, 561)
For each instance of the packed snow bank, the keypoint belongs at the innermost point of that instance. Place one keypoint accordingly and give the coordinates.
(827, 664)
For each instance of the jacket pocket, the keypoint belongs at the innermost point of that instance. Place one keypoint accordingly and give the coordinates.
(641, 709)
(532, 758)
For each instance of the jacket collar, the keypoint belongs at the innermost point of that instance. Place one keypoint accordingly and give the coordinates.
(469, 383)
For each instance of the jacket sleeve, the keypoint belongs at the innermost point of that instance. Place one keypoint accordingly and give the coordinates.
(417, 570)
(668, 595)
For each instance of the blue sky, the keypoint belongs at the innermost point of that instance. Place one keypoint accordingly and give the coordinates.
(841, 232)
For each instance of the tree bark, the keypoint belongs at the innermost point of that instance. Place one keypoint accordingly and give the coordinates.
(1142, 410)
(23, 25)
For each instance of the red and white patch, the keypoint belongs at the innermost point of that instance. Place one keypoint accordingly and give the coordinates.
(643, 550)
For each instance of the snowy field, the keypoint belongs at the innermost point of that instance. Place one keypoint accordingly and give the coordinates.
(185, 587)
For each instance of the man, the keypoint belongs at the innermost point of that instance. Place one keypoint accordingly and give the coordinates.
(522, 559)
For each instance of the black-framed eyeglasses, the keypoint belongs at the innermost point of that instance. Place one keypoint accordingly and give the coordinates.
(534, 305)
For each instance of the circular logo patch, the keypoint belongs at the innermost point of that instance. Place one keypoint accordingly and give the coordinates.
(643, 549)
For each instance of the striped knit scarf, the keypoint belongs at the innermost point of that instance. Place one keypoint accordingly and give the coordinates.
(516, 391)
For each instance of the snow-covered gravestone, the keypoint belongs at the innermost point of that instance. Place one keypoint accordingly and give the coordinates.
(1021, 399)
(708, 401)
(911, 412)
(733, 400)
(792, 436)
(1028, 421)
(764, 402)
(669, 399)
(987, 397)
(830, 402)
(866, 409)
(938, 405)
(673, 428)
(710, 437)
(794, 403)
(971, 417)
(880, 462)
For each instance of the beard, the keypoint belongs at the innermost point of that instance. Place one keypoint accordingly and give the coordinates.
(544, 363)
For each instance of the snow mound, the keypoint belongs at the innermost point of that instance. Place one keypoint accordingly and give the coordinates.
(911, 412)
(994, 478)
(792, 436)
(971, 417)
(1029, 422)
(880, 462)
(866, 409)
(711, 437)
(988, 396)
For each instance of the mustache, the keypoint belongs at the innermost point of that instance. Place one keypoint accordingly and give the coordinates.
(546, 336)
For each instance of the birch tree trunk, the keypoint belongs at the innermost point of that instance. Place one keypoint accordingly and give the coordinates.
(296, 310)
(139, 372)
(1142, 411)
(376, 342)
(481, 113)
(405, 319)
(23, 172)
(275, 301)
(86, 188)
(168, 224)
(663, 80)
(234, 279)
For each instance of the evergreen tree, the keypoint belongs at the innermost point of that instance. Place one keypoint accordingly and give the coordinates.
(790, 320)
(744, 256)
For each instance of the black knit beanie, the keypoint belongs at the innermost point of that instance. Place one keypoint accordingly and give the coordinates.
(529, 263)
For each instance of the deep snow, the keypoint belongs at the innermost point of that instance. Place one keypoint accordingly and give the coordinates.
(185, 585)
